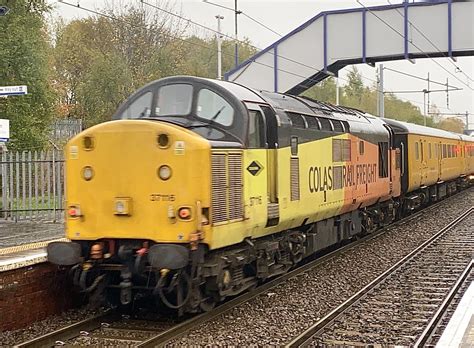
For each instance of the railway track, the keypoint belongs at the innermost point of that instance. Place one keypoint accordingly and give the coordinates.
(409, 303)
(109, 329)
(104, 329)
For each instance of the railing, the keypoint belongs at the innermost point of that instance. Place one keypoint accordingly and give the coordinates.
(32, 185)
(63, 130)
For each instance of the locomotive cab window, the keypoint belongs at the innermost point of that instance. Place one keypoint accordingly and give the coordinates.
(213, 107)
(256, 137)
(140, 107)
(174, 100)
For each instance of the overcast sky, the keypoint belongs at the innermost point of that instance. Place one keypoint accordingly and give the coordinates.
(283, 16)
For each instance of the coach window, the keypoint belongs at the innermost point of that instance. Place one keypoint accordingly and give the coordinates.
(429, 151)
(256, 130)
(417, 151)
(213, 107)
(445, 151)
(174, 100)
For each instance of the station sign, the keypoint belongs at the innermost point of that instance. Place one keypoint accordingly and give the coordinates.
(13, 90)
(4, 130)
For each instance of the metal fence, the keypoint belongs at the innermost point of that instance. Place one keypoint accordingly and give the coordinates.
(63, 130)
(32, 185)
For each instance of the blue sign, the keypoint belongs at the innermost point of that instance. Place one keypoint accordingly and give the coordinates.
(13, 90)
(4, 10)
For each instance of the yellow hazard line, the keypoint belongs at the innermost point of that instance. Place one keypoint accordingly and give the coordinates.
(30, 246)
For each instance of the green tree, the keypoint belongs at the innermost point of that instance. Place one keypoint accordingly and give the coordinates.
(100, 61)
(200, 58)
(452, 124)
(24, 60)
(354, 90)
(324, 91)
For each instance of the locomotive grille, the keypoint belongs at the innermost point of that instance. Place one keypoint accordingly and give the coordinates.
(235, 186)
(227, 187)
(219, 188)
(295, 179)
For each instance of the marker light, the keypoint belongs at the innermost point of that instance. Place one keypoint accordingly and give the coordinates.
(164, 172)
(184, 213)
(74, 211)
(87, 173)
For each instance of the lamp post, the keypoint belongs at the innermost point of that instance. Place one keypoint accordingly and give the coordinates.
(219, 47)
(236, 12)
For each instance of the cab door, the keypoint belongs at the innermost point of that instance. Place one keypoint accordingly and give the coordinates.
(260, 168)
(271, 132)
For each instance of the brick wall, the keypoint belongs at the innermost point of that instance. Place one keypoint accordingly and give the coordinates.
(32, 293)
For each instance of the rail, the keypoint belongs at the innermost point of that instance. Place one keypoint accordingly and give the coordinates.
(306, 337)
(164, 336)
(433, 324)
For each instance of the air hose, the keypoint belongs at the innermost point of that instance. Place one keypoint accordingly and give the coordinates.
(160, 286)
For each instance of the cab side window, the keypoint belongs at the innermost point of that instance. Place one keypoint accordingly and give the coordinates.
(140, 107)
(256, 135)
(212, 107)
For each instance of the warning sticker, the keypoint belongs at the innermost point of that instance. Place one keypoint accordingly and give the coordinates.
(73, 152)
(179, 148)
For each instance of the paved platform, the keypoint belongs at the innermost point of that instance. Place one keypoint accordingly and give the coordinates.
(24, 255)
(460, 329)
(17, 233)
(24, 244)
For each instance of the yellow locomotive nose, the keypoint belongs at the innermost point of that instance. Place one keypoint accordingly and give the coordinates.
(136, 178)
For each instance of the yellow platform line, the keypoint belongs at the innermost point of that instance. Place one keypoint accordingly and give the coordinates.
(24, 247)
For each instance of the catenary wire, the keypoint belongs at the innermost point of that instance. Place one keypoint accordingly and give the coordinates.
(210, 48)
(419, 49)
(420, 78)
(279, 56)
(433, 44)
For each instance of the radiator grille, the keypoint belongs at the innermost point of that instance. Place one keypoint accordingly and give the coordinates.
(235, 186)
(227, 187)
(295, 179)
(219, 188)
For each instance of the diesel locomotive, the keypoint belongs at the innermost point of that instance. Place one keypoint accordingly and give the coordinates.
(200, 189)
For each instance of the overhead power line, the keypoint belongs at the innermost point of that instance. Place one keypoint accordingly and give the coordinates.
(458, 69)
(419, 49)
(422, 78)
(211, 48)
(244, 14)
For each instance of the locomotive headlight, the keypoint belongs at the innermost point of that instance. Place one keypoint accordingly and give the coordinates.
(87, 173)
(119, 207)
(164, 172)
